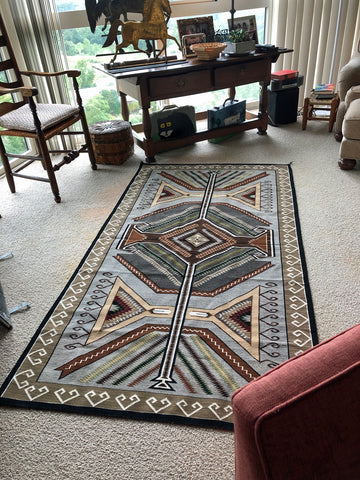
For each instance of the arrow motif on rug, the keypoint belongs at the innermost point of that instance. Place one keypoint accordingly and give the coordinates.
(194, 243)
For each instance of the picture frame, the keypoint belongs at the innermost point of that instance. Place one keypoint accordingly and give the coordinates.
(191, 39)
(190, 26)
(246, 23)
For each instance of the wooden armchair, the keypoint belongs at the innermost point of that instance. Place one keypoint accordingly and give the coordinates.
(36, 121)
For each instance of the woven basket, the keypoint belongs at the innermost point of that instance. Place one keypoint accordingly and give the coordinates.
(208, 51)
(112, 141)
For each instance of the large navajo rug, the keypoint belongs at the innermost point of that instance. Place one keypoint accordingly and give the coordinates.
(195, 286)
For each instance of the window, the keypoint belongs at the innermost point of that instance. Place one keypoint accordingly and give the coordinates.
(69, 5)
(84, 49)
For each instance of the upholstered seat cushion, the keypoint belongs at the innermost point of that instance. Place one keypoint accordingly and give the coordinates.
(351, 124)
(49, 115)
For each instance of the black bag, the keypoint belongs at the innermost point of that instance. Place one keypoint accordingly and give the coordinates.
(173, 122)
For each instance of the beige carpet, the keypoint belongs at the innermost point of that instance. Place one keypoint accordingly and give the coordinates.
(48, 240)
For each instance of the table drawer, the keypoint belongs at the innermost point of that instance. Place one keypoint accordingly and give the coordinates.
(179, 85)
(241, 74)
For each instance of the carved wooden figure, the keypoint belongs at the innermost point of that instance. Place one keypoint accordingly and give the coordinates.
(154, 27)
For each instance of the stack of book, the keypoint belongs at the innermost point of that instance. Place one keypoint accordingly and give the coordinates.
(285, 79)
(324, 91)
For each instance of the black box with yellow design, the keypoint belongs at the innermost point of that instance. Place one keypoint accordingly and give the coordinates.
(173, 122)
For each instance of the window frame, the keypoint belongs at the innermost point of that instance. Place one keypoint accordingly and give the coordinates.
(180, 8)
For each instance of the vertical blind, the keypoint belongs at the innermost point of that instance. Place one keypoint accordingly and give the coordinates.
(323, 34)
(38, 30)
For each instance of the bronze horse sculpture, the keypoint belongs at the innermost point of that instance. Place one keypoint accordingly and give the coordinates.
(154, 27)
(112, 9)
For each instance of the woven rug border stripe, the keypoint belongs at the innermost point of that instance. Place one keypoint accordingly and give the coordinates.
(204, 362)
(303, 258)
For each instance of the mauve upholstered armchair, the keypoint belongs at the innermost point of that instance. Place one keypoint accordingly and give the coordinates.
(301, 420)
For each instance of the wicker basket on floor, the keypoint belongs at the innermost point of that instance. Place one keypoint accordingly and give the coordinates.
(112, 141)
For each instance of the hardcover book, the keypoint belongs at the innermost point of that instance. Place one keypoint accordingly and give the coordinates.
(284, 74)
(325, 88)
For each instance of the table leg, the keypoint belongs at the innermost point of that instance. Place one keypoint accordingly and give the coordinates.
(333, 110)
(305, 113)
(263, 103)
(124, 107)
(148, 141)
(232, 93)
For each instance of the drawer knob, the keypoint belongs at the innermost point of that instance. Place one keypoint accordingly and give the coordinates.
(180, 82)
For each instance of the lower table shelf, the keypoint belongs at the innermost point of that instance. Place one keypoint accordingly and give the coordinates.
(151, 147)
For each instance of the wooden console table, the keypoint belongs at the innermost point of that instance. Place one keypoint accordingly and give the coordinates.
(190, 78)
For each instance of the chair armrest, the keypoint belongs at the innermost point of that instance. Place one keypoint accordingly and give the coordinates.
(301, 420)
(352, 94)
(349, 75)
(69, 73)
(25, 91)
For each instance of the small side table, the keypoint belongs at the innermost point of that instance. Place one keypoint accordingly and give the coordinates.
(312, 104)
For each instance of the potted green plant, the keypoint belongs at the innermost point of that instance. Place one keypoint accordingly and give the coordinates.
(239, 42)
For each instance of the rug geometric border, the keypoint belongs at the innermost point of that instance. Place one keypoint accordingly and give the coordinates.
(30, 385)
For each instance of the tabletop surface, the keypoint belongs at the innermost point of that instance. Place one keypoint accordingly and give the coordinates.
(182, 65)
